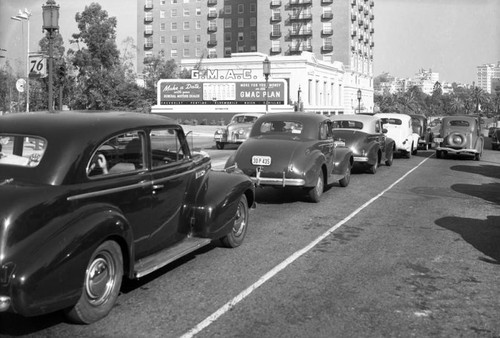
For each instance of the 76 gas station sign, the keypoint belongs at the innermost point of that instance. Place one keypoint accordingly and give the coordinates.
(38, 66)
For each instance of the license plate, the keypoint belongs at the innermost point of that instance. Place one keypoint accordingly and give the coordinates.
(261, 160)
(438, 140)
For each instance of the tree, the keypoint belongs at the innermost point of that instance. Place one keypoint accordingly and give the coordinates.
(97, 64)
(58, 79)
(155, 68)
(7, 88)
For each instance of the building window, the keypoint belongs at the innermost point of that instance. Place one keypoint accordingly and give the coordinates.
(198, 38)
(198, 11)
(253, 36)
(163, 2)
(162, 14)
(241, 23)
(148, 53)
(253, 8)
(241, 36)
(253, 21)
(227, 9)
(186, 38)
(241, 8)
(227, 36)
(276, 31)
(163, 26)
(173, 13)
(186, 1)
(186, 11)
(198, 24)
(185, 25)
(197, 52)
(174, 53)
(162, 39)
(173, 39)
(185, 52)
(148, 16)
(212, 53)
(228, 23)
(148, 29)
(227, 51)
(173, 26)
(173, 1)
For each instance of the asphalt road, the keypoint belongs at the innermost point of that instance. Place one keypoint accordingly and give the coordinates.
(413, 250)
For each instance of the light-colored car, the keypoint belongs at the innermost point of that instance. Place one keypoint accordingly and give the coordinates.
(237, 131)
(460, 135)
(399, 128)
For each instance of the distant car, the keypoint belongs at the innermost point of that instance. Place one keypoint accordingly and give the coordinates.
(399, 128)
(495, 139)
(460, 135)
(435, 126)
(294, 150)
(236, 131)
(364, 135)
(89, 198)
(420, 127)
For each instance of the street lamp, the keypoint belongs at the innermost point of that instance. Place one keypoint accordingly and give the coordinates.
(266, 70)
(25, 15)
(359, 101)
(51, 25)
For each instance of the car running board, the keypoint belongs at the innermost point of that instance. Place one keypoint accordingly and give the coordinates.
(154, 262)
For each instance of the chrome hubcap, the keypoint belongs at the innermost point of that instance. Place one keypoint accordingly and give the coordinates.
(241, 220)
(100, 278)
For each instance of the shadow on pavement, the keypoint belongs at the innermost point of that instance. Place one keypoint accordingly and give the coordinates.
(489, 192)
(484, 235)
(492, 171)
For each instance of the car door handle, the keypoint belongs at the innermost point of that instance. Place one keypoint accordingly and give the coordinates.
(158, 186)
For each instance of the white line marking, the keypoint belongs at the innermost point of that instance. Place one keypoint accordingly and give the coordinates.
(274, 271)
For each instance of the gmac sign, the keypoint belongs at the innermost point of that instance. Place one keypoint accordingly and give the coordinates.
(205, 92)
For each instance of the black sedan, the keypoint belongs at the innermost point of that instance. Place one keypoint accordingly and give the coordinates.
(294, 150)
(366, 138)
(90, 198)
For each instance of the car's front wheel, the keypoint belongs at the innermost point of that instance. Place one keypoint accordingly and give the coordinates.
(239, 230)
(344, 182)
(316, 191)
(101, 285)
(389, 159)
(372, 169)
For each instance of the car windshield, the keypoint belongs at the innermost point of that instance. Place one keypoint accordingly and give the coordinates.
(21, 150)
(348, 124)
(281, 127)
(244, 119)
(459, 123)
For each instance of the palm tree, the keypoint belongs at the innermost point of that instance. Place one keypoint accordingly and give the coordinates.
(457, 105)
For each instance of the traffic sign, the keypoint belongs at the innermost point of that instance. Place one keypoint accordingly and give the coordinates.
(38, 66)
(20, 84)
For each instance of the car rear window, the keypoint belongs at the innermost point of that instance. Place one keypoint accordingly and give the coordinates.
(393, 121)
(21, 150)
(281, 127)
(459, 123)
(348, 124)
(243, 119)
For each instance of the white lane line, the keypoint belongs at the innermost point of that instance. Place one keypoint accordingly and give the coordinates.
(274, 271)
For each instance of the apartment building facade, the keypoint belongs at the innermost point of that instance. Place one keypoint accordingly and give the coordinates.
(487, 76)
(333, 30)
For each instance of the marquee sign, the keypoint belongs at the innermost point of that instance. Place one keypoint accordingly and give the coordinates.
(203, 92)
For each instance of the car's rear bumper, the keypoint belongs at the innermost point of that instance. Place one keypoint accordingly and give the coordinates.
(284, 182)
(361, 159)
(458, 151)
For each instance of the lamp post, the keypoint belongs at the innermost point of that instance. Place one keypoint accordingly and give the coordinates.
(359, 101)
(25, 15)
(51, 25)
(266, 70)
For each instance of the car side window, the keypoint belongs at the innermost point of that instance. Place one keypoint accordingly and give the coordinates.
(377, 127)
(166, 147)
(122, 153)
(323, 131)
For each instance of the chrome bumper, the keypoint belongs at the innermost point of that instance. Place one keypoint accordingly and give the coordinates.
(457, 151)
(4, 303)
(360, 159)
(283, 181)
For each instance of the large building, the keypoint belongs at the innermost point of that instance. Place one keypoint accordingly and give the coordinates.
(486, 76)
(332, 30)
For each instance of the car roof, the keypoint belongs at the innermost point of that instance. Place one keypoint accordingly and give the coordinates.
(459, 117)
(355, 117)
(310, 122)
(394, 116)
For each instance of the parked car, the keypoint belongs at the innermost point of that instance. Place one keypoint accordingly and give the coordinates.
(460, 135)
(491, 131)
(236, 131)
(399, 129)
(420, 127)
(90, 198)
(435, 126)
(366, 138)
(294, 150)
(495, 139)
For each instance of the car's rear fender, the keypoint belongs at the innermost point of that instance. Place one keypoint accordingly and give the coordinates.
(50, 265)
(214, 206)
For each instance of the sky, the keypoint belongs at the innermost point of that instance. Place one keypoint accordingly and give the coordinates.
(450, 37)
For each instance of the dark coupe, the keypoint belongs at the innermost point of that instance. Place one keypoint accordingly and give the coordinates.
(366, 138)
(90, 198)
(294, 150)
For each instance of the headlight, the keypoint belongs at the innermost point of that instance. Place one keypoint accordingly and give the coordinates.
(218, 131)
(241, 131)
